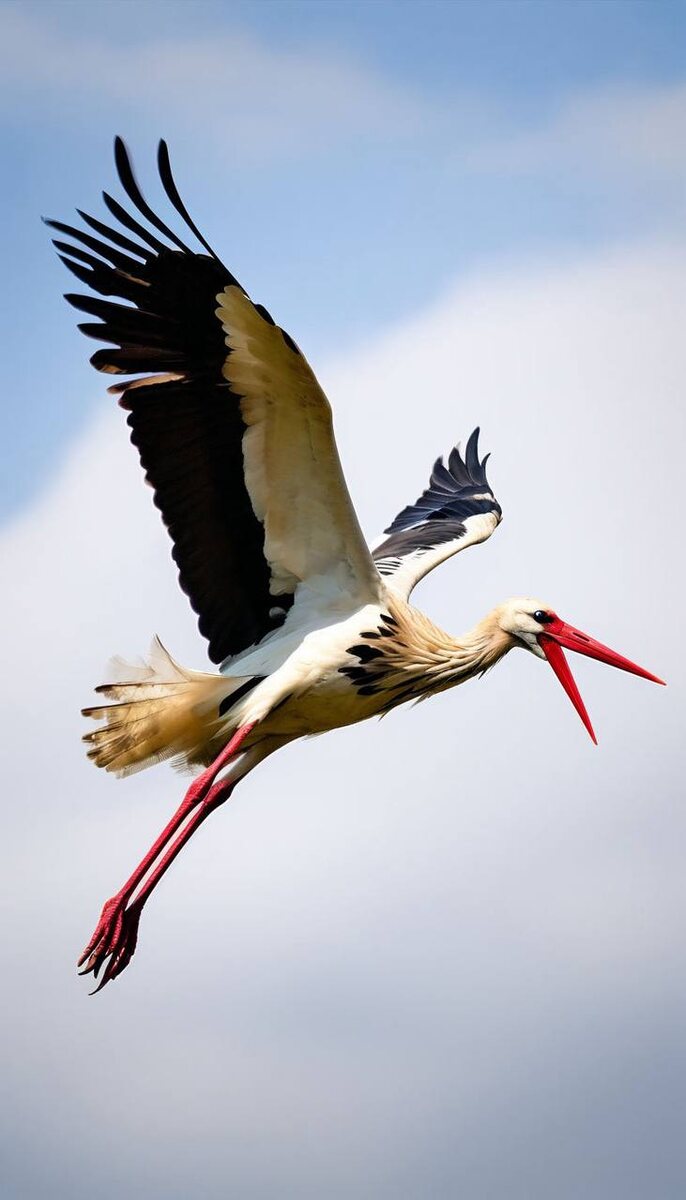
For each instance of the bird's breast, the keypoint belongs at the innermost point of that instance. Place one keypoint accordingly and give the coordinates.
(334, 676)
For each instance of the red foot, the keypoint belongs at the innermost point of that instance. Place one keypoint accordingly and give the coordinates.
(114, 938)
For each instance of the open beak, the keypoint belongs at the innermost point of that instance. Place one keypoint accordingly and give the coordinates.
(559, 634)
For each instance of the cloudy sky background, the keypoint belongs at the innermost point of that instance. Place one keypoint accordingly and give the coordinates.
(442, 954)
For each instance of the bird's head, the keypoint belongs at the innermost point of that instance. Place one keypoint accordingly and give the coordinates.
(535, 625)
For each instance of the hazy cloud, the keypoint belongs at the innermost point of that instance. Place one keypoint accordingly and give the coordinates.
(265, 103)
(627, 130)
(271, 102)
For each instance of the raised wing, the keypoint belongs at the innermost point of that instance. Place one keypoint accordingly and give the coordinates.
(456, 510)
(233, 431)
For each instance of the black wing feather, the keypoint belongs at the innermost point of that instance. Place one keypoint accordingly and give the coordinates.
(169, 185)
(107, 231)
(455, 492)
(128, 179)
(187, 425)
(135, 226)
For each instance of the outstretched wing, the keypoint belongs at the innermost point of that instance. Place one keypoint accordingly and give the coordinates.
(234, 432)
(457, 510)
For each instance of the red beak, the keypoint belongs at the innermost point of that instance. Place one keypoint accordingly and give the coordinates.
(558, 634)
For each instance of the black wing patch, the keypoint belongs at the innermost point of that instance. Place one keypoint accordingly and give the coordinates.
(185, 421)
(455, 492)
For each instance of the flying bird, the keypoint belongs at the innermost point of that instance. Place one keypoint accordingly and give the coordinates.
(310, 628)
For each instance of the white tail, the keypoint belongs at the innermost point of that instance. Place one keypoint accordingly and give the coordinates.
(160, 710)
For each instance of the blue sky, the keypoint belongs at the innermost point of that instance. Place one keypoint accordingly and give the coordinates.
(349, 160)
(441, 954)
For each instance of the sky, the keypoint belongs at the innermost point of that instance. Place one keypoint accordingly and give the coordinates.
(440, 954)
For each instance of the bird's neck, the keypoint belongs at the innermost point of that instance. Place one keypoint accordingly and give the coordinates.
(430, 660)
(481, 648)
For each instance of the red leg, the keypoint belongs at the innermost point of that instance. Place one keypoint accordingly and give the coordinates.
(116, 931)
(121, 943)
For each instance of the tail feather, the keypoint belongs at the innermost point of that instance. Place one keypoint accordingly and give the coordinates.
(161, 710)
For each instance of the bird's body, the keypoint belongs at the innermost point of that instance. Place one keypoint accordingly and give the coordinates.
(338, 669)
(309, 628)
(364, 666)
(388, 656)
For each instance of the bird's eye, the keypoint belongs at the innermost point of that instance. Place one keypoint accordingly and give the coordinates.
(543, 618)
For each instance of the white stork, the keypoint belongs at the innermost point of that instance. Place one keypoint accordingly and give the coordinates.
(310, 629)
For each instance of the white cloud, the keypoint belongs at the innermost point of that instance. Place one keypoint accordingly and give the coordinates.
(259, 101)
(609, 131)
(407, 942)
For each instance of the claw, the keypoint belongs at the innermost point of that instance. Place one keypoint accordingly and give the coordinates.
(112, 911)
(115, 939)
(118, 962)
